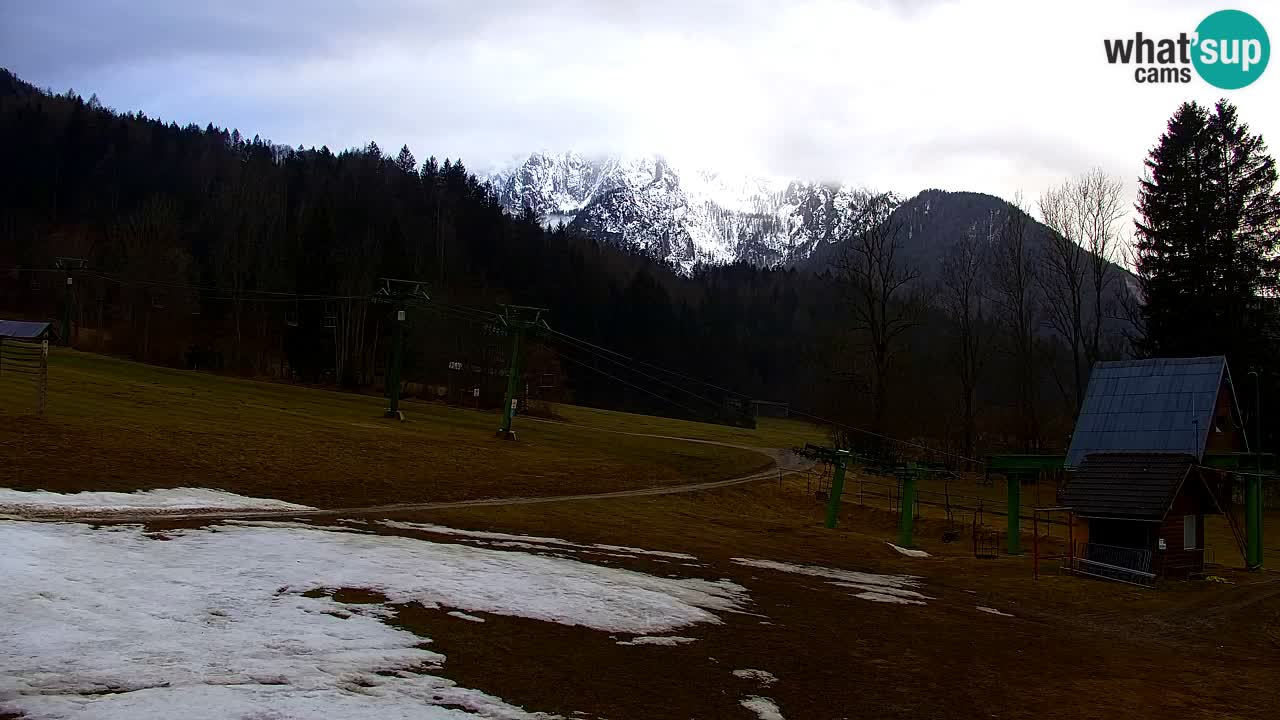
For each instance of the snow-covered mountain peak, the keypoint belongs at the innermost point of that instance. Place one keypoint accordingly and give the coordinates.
(682, 215)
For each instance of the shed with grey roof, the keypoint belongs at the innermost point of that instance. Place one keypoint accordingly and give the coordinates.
(1158, 405)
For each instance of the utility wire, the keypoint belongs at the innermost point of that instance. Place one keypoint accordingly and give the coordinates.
(646, 364)
(456, 314)
(560, 353)
(907, 443)
(1265, 476)
(882, 436)
(477, 315)
(620, 363)
(845, 426)
(241, 294)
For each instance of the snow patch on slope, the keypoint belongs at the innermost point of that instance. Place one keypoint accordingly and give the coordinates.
(166, 500)
(763, 707)
(530, 541)
(215, 622)
(666, 640)
(764, 677)
(871, 586)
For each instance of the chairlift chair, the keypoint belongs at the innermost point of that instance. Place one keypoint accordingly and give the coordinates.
(951, 530)
(986, 540)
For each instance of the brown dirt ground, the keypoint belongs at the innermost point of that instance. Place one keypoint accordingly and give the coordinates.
(1075, 648)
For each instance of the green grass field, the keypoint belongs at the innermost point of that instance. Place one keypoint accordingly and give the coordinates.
(118, 425)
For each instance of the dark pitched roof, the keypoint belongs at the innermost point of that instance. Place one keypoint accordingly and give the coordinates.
(1161, 405)
(23, 330)
(1140, 486)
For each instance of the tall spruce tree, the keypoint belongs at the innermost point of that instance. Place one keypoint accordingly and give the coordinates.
(1206, 239)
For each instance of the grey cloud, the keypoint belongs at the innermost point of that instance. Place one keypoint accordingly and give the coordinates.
(59, 35)
(864, 91)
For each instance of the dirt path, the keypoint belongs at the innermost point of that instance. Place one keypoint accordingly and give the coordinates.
(784, 463)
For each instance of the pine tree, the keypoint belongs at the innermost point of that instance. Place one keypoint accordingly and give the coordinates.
(406, 162)
(1207, 238)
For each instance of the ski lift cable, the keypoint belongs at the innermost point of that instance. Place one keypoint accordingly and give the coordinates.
(646, 364)
(882, 436)
(659, 380)
(560, 353)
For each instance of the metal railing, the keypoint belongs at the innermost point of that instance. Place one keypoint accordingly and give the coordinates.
(1111, 562)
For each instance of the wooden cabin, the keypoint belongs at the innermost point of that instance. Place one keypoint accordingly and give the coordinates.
(1136, 462)
(1145, 512)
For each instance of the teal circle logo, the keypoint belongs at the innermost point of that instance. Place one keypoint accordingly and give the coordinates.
(1232, 49)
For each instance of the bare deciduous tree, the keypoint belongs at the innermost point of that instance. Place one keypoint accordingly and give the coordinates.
(1012, 293)
(1102, 210)
(250, 213)
(356, 283)
(1075, 269)
(1133, 324)
(878, 287)
(963, 276)
(145, 248)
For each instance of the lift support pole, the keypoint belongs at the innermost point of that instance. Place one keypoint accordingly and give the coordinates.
(1253, 511)
(1015, 514)
(906, 526)
(400, 294)
(397, 360)
(513, 383)
(840, 458)
(67, 265)
(518, 319)
(1253, 521)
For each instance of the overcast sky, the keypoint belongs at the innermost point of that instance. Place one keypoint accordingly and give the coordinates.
(993, 96)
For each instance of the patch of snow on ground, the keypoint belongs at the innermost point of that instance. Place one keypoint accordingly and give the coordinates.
(213, 623)
(763, 707)
(638, 551)
(532, 541)
(873, 587)
(464, 616)
(993, 611)
(528, 540)
(875, 593)
(908, 551)
(165, 500)
(668, 640)
(764, 677)
(289, 524)
(885, 596)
